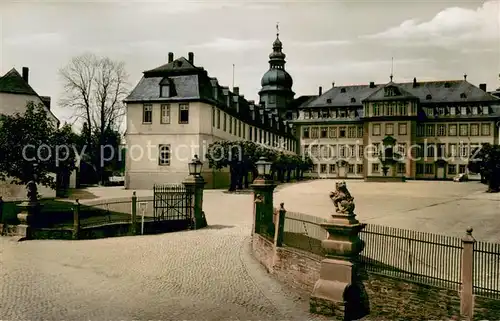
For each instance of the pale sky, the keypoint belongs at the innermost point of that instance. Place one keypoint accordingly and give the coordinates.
(346, 42)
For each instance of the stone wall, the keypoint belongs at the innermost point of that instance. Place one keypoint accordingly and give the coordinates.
(13, 192)
(396, 299)
(390, 298)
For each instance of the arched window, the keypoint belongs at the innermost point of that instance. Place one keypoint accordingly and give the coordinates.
(164, 155)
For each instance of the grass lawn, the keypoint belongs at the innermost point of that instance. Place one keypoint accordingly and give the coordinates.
(57, 213)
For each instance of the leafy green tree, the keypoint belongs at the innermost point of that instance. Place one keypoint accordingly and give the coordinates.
(32, 138)
(240, 157)
(486, 162)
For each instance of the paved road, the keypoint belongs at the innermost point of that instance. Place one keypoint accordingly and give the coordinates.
(193, 275)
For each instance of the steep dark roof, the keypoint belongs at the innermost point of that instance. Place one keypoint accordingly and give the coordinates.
(301, 102)
(13, 82)
(179, 65)
(148, 88)
(439, 91)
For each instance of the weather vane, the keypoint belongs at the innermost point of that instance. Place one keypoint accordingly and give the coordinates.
(277, 29)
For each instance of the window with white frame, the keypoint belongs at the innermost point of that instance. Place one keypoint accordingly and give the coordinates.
(376, 130)
(464, 150)
(147, 114)
(389, 129)
(165, 114)
(403, 129)
(464, 129)
(485, 129)
(332, 132)
(164, 155)
(474, 129)
(452, 130)
(441, 130)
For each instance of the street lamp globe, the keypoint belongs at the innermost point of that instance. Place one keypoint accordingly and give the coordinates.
(195, 166)
(263, 167)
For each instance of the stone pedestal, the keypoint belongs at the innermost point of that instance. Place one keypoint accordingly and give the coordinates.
(27, 219)
(196, 184)
(264, 211)
(339, 291)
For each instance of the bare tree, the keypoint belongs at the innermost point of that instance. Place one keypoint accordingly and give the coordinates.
(94, 88)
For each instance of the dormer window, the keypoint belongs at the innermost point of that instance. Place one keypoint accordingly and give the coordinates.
(391, 91)
(328, 101)
(165, 91)
(353, 100)
(167, 88)
(447, 85)
(428, 97)
(342, 90)
(463, 95)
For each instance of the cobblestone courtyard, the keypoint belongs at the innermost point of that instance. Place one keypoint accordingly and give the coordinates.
(441, 207)
(210, 274)
(194, 275)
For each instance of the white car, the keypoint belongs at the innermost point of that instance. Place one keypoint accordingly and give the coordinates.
(116, 180)
(460, 178)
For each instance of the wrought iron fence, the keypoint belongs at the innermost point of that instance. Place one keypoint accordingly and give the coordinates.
(417, 256)
(304, 232)
(487, 269)
(172, 202)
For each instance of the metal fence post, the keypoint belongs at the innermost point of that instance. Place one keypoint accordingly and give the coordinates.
(466, 291)
(76, 220)
(134, 213)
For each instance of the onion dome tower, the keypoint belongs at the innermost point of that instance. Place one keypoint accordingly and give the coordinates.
(276, 92)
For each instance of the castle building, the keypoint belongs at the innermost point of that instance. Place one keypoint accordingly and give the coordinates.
(177, 110)
(434, 128)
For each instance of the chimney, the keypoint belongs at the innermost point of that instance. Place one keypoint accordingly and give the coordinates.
(46, 101)
(333, 84)
(236, 91)
(482, 87)
(170, 57)
(372, 84)
(191, 57)
(415, 82)
(320, 91)
(26, 72)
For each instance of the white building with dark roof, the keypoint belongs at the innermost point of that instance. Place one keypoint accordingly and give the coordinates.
(15, 94)
(176, 111)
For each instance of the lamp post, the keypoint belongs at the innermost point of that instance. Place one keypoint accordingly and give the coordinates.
(195, 184)
(263, 187)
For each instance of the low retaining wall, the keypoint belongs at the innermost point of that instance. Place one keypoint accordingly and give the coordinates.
(96, 232)
(385, 179)
(390, 298)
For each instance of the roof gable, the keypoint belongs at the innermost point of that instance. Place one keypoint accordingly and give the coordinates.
(178, 65)
(13, 82)
(391, 91)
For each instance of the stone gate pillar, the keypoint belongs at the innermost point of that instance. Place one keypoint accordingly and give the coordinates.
(339, 291)
(195, 184)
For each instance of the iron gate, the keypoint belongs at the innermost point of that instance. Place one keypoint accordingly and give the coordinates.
(173, 206)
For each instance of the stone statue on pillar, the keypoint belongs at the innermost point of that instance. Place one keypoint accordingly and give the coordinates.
(32, 192)
(340, 291)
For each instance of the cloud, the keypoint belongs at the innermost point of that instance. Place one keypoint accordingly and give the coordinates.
(449, 27)
(324, 43)
(186, 6)
(347, 66)
(227, 44)
(37, 39)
